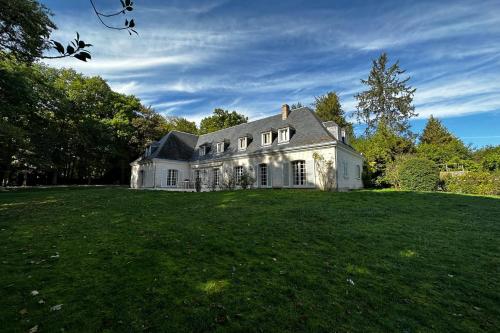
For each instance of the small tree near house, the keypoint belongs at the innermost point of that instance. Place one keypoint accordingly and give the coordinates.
(246, 180)
(325, 172)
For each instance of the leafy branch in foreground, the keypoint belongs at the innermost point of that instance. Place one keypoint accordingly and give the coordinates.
(74, 49)
(127, 6)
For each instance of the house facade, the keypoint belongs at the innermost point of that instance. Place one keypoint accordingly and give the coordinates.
(277, 152)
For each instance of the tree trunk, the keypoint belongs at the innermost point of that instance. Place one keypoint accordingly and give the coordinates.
(25, 178)
(54, 178)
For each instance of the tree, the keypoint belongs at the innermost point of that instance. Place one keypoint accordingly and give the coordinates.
(489, 158)
(182, 124)
(57, 125)
(297, 105)
(221, 119)
(25, 27)
(379, 149)
(435, 133)
(388, 98)
(328, 108)
(440, 146)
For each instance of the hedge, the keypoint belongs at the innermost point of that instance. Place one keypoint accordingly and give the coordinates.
(418, 174)
(483, 183)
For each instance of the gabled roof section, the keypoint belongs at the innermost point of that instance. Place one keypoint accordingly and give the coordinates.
(308, 130)
(173, 146)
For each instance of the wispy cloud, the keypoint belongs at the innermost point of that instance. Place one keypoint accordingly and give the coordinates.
(191, 57)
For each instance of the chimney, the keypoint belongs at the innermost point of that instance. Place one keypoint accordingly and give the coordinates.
(285, 111)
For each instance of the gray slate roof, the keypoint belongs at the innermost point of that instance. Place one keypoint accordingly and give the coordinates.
(307, 129)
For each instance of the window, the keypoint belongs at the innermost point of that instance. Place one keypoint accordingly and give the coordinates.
(346, 172)
(202, 151)
(172, 177)
(283, 135)
(358, 172)
(299, 172)
(242, 143)
(238, 172)
(197, 175)
(343, 136)
(267, 138)
(216, 178)
(263, 174)
(220, 147)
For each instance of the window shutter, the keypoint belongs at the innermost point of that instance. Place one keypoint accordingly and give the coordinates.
(256, 175)
(270, 175)
(286, 174)
(163, 178)
(310, 181)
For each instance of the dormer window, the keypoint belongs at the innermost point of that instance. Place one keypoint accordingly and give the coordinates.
(283, 135)
(220, 147)
(203, 150)
(267, 138)
(242, 143)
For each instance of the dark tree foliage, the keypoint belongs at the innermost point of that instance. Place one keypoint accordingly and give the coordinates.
(221, 119)
(297, 105)
(25, 27)
(387, 98)
(58, 126)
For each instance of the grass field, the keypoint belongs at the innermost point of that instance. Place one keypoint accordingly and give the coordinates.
(256, 261)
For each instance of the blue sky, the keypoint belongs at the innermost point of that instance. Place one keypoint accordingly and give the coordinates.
(253, 56)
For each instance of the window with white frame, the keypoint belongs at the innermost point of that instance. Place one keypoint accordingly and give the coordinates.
(346, 171)
(238, 172)
(216, 177)
(267, 138)
(358, 171)
(283, 135)
(299, 173)
(202, 150)
(220, 147)
(172, 177)
(263, 175)
(197, 175)
(242, 143)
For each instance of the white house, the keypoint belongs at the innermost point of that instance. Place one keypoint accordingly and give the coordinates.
(277, 151)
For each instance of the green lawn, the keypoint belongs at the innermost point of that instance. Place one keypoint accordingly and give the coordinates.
(272, 260)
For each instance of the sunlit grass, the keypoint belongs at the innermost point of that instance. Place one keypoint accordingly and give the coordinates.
(214, 286)
(248, 261)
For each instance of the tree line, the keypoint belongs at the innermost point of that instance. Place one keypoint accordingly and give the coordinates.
(60, 127)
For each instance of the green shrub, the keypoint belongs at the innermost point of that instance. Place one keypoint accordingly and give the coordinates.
(418, 174)
(479, 182)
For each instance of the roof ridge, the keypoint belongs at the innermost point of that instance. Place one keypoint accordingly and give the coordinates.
(253, 121)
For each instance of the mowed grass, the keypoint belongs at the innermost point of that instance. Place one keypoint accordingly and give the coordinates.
(120, 260)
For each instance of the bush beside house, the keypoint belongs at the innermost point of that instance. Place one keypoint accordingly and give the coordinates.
(418, 174)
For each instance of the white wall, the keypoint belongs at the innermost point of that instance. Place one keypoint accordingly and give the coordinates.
(275, 162)
(162, 167)
(142, 175)
(278, 176)
(350, 160)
